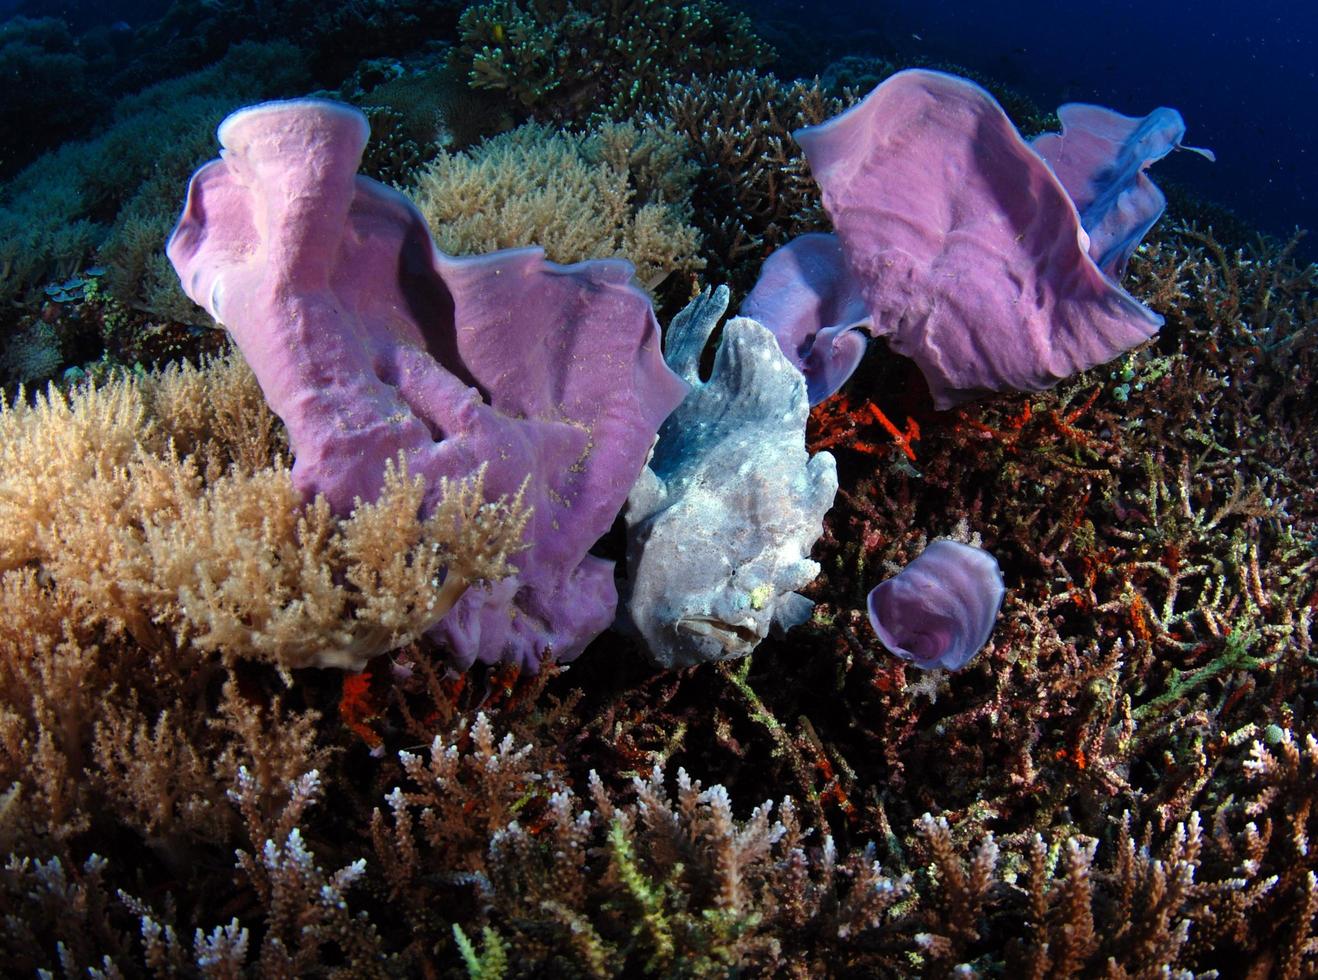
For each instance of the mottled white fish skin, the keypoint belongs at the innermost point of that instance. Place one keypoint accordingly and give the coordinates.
(722, 519)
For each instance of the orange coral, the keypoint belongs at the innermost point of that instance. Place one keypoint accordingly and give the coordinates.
(360, 705)
(836, 424)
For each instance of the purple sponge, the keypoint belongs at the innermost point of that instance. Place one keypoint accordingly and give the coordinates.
(955, 241)
(939, 610)
(1100, 157)
(368, 342)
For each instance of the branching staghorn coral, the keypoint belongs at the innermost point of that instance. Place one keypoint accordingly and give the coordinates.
(1264, 837)
(564, 60)
(664, 885)
(1258, 295)
(488, 857)
(305, 924)
(753, 190)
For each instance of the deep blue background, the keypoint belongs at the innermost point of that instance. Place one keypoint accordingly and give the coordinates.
(82, 14)
(1244, 76)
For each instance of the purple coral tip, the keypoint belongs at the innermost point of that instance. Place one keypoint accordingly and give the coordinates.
(939, 610)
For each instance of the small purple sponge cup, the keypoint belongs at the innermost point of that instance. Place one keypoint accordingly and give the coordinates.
(939, 610)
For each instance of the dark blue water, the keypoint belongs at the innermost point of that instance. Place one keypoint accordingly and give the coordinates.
(83, 14)
(1244, 76)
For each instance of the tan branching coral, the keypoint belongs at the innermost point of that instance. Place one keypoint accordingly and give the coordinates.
(96, 493)
(620, 191)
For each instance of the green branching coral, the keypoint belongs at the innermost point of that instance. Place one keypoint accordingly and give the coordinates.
(565, 60)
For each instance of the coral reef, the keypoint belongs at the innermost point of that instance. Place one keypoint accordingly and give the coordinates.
(194, 33)
(562, 59)
(47, 96)
(752, 189)
(1121, 783)
(53, 215)
(621, 190)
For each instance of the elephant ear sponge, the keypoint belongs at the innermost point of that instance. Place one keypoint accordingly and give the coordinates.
(939, 610)
(370, 343)
(955, 241)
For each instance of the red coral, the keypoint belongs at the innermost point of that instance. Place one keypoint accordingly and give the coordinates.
(362, 703)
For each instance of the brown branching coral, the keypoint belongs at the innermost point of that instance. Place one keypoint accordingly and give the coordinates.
(1258, 296)
(563, 60)
(394, 155)
(753, 190)
(305, 907)
(640, 880)
(663, 885)
(431, 849)
(424, 109)
(305, 926)
(1263, 838)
